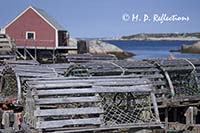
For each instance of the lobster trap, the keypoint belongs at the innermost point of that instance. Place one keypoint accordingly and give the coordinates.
(183, 76)
(89, 104)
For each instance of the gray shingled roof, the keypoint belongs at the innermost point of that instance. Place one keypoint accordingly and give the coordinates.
(49, 19)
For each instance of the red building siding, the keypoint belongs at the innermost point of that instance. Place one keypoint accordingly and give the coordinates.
(45, 35)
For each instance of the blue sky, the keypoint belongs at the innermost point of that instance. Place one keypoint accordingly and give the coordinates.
(103, 18)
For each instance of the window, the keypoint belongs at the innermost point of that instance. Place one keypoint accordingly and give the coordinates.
(30, 35)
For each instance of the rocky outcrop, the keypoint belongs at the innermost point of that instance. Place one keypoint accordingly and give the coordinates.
(99, 47)
(195, 48)
(72, 42)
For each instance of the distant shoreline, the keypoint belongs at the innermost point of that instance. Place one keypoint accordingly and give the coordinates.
(159, 37)
(151, 39)
(162, 39)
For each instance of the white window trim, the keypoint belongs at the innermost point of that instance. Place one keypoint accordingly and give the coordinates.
(30, 32)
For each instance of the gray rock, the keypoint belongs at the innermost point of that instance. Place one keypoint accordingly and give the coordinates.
(195, 48)
(99, 47)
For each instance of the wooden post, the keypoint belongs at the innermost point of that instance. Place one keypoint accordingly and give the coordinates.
(35, 52)
(6, 120)
(190, 115)
(25, 52)
(175, 115)
(1, 113)
(30, 55)
(38, 119)
(15, 125)
(54, 56)
(166, 119)
(19, 98)
(1, 82)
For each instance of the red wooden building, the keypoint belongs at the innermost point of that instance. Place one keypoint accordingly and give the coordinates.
(37, 34)
(35, 29)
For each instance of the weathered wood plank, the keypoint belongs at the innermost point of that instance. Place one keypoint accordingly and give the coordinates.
(25, 62)
(68, 111)
(137, 70)
(62, 123)
(91, 80)
(47, 101)
(63, 85)
(35, 70)
(32, 74)
(6, 118)
(79, 78)
(106, 128)
(97, 89)
(87, 83)
(180, 68)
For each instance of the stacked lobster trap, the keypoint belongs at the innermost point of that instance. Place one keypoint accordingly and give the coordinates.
(85, 104)
(184, 75)
(100, 95)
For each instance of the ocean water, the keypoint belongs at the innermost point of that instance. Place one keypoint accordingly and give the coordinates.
(154, 49)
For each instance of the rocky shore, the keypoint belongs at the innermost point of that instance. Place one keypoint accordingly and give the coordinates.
(195, 48)
(100, 47)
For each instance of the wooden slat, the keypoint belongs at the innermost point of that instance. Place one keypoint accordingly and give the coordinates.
(143, 70)
(90, 80)
(97, 89)
(104, 82)
(75, 78)
(47, 101)
(29, 74)
(35, 70)
(131, 83)
(179, 68)
(105, 129)
(68, 111)
(134, 79)
(28, 62)
(155, 83)
(63, 85)
(62, 123)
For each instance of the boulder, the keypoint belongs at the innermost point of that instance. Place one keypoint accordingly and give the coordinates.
(195, 48)
(72, 42)
(100, 47)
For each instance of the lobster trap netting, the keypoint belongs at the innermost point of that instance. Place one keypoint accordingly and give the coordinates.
(9, 82)
(186, 83)
(127, 108)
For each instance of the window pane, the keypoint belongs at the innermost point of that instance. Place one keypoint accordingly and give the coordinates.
(30, 36)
